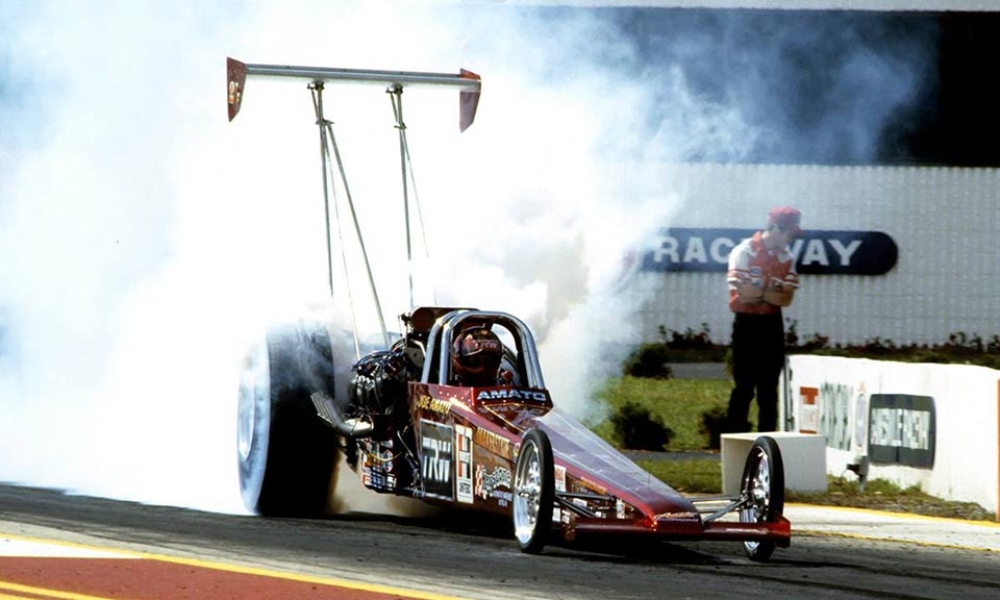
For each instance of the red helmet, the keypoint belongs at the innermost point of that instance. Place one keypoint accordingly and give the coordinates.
(475, 356)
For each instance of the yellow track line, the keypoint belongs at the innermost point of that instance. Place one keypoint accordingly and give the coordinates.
(875, 538)
(886, 513)
(194, 562)
(25, 589)
(805, 530)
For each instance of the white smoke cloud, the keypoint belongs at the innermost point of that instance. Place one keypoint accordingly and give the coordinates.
(147, 238)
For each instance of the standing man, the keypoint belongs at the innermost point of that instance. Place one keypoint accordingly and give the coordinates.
(762, 279)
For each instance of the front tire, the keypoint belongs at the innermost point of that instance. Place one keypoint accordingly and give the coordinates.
(287, 455)
(763, 489)
(534, 492)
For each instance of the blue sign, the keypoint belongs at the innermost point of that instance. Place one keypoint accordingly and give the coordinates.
(819, 252)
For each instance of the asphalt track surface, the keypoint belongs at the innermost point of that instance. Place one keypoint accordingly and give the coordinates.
(834, 554)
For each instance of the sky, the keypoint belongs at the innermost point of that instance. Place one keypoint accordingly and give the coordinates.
(148, 241)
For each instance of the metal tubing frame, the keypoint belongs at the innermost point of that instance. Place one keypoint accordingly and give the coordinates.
(440, 337)
(327, 140)
(396, 97)
(391, 78)
(469, 85)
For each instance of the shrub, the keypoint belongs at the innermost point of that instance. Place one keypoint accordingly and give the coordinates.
(638, 429)
(689, 340)
(961, 348)
(652, 360)
(649, 361)
(713, 425)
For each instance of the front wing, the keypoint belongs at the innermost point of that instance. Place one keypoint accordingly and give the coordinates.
(678, 528)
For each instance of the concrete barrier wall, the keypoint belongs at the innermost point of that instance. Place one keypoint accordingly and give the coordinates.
(927, 425)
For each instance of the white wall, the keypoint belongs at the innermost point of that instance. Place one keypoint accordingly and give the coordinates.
(966, 401)
(945, 222)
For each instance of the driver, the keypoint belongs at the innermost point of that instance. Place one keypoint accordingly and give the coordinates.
(475, 357)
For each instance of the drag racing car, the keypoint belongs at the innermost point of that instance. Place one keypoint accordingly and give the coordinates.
(408, 426)
(454, 412)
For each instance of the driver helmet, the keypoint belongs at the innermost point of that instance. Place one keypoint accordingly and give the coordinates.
(475, 356)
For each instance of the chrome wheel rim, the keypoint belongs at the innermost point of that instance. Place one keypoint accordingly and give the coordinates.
(527, 493)
(759, 495)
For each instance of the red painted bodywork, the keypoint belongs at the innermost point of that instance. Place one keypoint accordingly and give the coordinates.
(626, 500)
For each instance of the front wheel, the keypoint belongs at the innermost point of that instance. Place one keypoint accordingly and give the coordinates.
(763, 491)
(534, 492)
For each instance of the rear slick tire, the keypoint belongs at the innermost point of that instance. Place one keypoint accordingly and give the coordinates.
(287, 455)
(763, 485)
(534, 492)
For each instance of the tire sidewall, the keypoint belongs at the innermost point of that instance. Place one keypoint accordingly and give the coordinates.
(287, 454)
(254, 425)
(767, 448)
(538, 440)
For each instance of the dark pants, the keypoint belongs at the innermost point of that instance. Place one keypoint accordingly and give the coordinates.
(758, 357)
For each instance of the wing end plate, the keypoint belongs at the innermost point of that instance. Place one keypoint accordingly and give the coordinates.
(468, 102)
(236, 74)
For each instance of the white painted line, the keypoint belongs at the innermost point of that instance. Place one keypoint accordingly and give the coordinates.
(893, 527)
(23, 547)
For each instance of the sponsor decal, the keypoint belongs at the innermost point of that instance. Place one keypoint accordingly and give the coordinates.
(808, 410)
(436, 458)
(379, 481)
(514, 414)
(463, 464)
(860, 420)
(437, 405)
(835, 414)
(676, 515)
(495, 484)
(586, 485)
(495, 443)
(377, 465)
(560, 473)
(512, 394)
(819, 252)
(838, 411)
(559, 515)
(901, 430)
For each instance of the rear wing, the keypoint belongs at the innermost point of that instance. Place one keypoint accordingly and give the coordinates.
(469, 83)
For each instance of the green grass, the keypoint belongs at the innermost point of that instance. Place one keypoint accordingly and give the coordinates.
(692, 477)
(680, 403)
(879, 494)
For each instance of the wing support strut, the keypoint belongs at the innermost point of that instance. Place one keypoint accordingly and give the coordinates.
(328, 142)
(469, 85)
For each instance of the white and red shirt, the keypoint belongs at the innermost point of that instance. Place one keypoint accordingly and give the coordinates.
(750, 262)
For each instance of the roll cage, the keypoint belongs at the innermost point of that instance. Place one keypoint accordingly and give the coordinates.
(430, 332)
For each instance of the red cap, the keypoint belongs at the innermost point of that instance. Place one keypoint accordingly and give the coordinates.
(786, 218)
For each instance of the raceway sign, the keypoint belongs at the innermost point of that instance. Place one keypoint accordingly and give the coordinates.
(820, 252)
